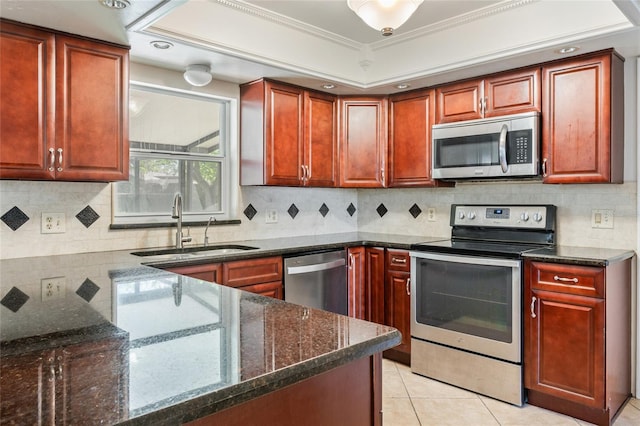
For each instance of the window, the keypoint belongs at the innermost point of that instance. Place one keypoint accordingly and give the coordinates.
(179, 142)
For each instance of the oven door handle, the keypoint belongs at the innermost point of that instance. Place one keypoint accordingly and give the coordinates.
(533, 307)
(502, 148)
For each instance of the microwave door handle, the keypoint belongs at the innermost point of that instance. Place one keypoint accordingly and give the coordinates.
(502, 148)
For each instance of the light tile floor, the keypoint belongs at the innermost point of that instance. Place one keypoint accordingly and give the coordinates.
(413, 400)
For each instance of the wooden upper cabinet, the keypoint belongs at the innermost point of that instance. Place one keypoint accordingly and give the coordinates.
(583, 112)
(506, 93)
(64, 107)
(320, 166)
(28, 94)
(410, 118)
(288, 135)
(363, 141)
(459, 101)
(92, 109)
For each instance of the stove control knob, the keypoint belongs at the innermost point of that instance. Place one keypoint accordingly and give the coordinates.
(461, 215)
(524, 216)
(472, 215)
(537, 217)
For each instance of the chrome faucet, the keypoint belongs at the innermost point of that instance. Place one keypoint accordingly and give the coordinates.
(206, 239)
(176, 213)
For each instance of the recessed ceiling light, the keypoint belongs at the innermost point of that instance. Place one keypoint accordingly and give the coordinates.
(160, 44)
(403, 86)
(115, 4)
(566, 50)
(328, 86)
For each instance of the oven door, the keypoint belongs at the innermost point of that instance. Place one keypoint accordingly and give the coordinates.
(468, 302)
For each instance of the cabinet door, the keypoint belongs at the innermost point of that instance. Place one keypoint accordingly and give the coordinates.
(398, 307)
(92, 134)
(411, 117)
(582, 129)
(363, 142)
(356, 282)
(27, 102)
(512, 93)
(27, 385)
(284, 134)
(564, 347)
(374, 275)
(86, 395)
(459, 101)
(273, 289)
(211, 272)
(321, 155)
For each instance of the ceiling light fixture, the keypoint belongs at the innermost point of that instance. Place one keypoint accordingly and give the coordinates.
(567, 50)
(328, 86)
(115, 4)
(384, 15)
(402, 86)
(198, 75)
(161, 44)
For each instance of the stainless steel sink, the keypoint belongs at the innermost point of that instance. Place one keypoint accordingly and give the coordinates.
(192, 252)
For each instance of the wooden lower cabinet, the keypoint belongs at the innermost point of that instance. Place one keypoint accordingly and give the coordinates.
(366, 283)
(578, 338)
(397, 307)
(347, 395)
(262, 276)
(61, 385)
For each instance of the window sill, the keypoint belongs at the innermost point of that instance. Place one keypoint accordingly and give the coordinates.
(172, 224)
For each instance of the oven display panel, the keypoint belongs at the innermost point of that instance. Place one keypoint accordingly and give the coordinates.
(493, 213)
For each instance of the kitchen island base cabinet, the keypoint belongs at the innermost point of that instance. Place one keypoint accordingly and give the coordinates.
(347, 395)
(578, 338)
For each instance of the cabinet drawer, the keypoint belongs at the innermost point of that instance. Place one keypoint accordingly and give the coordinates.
(210, 272)
(398, 260)
(574, 279)
(273, 289)
(253, 271)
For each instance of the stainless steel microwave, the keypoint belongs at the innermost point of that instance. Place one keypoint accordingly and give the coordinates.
(507, 146)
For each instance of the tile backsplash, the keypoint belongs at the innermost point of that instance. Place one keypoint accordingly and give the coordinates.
(303, 211)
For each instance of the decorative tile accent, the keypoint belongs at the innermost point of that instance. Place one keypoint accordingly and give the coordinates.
(415, 211)
(351, 209)
(87, 290)
(382, 210)
(250, 212)
(293, 211)
(324, 210)
(14, 218)
(14, 300)
(87, 216)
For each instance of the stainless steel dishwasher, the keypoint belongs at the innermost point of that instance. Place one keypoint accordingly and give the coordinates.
(317, 280)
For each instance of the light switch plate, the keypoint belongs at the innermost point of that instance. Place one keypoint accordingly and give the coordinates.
(53, 288)
(431, 214)
(602, 218)
(53, 223)
(271, 216)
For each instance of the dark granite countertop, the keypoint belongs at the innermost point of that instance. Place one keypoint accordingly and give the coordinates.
(587, 256)
(186, 348)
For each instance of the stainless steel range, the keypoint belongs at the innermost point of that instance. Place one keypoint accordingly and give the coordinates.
(466, 297)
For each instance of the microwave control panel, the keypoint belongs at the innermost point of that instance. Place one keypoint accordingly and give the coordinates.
(519, 147)
(507, 216)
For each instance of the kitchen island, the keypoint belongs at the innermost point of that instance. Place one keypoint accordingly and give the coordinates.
(98, 338)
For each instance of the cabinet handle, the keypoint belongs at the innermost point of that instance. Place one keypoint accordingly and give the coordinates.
(544, 167)
(408, 286)
(308, 173)
(566, 280)
(533, 307)
(59, 159)
(400, 260)
(52, 159)
(304, 173)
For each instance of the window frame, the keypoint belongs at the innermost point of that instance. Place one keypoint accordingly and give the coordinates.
(228, 159)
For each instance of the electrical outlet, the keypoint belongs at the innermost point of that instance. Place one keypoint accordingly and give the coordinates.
(431, 214)
(53, 288)
(271, 216)
(53, 223)
(602, 218)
